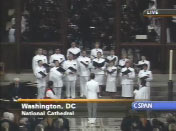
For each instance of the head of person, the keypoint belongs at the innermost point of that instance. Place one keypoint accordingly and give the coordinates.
(45, 52)
(143, 58)
(57, 51)
(56, 62)
(145, 66)
(40, 51)
(84, 53)
(92, 76)
(112, 52)
(40, 62)
(70, 57)
(50, 52)
(99, 54)
(97, 45)
(16, 80)
(50, 84)
(143, 82)
(73, 44)
(128, 64)
(124, 56)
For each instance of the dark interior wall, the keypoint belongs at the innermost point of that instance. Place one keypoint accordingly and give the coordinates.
(8, 56)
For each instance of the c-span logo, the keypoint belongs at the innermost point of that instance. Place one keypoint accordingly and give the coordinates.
(142, 106)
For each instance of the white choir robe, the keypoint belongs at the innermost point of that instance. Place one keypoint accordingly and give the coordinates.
(92, 89)
(110, 58)
(143, 73)
(99, 72)
(84, 73)
(36, 59)
(145, 62)
(59, 57)
(57, 79)
(41, 82)
(142, 93)
(111, 80)
(51, 95)
(94, 52)
(12, 35)
(70, 79)
(127, 82)
(73, 50)
(122, 62)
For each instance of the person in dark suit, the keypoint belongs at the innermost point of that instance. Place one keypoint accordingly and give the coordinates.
(16, 89)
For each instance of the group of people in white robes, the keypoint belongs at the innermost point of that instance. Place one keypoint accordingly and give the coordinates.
(77, 64)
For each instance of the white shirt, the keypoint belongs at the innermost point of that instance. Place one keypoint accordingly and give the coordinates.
(36, 59)
(50, 94)
(111, 57)
(123, 61)
(144, 62)
(73, 50)
(127, 79)
(84, 70)
(112, 76)
(56, 77)
(148, 73)
(101, 69)
(41, 81)
(92, 88)
(59, 57)
(143, 93)
(67, 64)
(94, 52)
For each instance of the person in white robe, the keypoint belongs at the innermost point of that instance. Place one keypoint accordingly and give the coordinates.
(143, 92)
(94, 51)
(84, 71)
(49, 93)
(145, 74)
(38, 57)
(111, 82)
(57, 56)
(92, 89)
(11, 36)
(122, 61)
(40, 74)
(144, 61)
(57, 78)
(99, 66)
(127, 75)
(75, 51)
(71, 68)
(112, 57)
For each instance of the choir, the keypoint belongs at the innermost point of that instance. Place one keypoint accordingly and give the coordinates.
(109, 71)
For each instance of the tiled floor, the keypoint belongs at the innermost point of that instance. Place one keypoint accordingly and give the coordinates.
(102, 124)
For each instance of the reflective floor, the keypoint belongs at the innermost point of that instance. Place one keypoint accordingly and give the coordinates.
(102, 124)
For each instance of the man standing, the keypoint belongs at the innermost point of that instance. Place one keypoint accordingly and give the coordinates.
(71, 75)
(40, 73)
(96, 50)
(127, 75)
(92, 89)
(99, 70)
(57, 56)
(56, 76)
(144, 61)
(75, 51)
(112, 57)
(38, 57)
(84, 71)
(122, 61)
